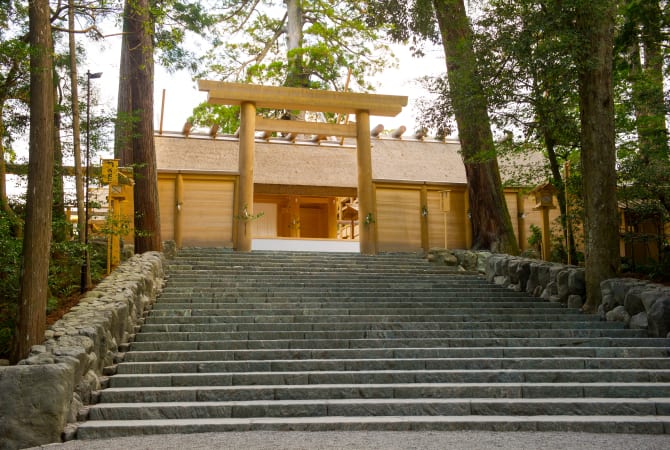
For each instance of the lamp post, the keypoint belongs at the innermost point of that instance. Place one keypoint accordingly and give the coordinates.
(86, 266)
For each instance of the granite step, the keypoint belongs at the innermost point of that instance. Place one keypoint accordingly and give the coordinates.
(282, 365)
(547, 352)
(397, 343)
(650, 424)
(385, 390)
(380, 407)
(154, 326)
(391, 376)
(305, 341)
(293, 336)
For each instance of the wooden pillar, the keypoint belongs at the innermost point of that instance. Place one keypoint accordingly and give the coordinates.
(423, 208)
(366, 217)
(178, 214)
(468, 219)
(332, 218)
(546, 234)
(246, 168)
(294, 216)
(521, 219)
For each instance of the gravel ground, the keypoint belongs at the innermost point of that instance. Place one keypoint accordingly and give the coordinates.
(377, 441)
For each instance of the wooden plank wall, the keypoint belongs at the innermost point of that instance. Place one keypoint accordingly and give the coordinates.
(207, 209)
(398, 219)
(399, 216)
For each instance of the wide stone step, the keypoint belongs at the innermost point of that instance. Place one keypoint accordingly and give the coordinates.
(381, 407)
(312, 341)
(594, 424)
(352, 294)
(300, 314)
(573, 363)
(403, 353)
(335, 305)
(385, 390)
(388, 322)
(151, 326)
(163, 316)
(398, 343)
(267, 310)
(382, 334)
(370, 271)
(391, 376)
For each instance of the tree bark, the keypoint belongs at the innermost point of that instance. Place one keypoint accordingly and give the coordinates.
(491, 224)
(123, 150)
(595, 23)
(33, 290)
(141, 61)
(296, 76)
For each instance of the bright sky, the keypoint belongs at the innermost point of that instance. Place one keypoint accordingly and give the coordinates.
(181, 93)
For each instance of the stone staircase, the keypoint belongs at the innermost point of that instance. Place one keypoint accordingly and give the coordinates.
(300, 341)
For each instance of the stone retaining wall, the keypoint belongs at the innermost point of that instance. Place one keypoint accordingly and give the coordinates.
(638, 303)
(45, 391)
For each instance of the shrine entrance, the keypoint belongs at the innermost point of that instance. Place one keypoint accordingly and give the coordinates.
(311, 213)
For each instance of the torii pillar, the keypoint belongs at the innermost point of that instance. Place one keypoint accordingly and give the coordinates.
(249, 97)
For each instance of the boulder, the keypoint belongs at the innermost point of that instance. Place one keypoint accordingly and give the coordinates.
(633, 300)
(523, 273)
(618, 314)
(639, 321)
(46, 391)
(577, 281)
(533, 279)
(562, 284)
(482, 259)
(575, 301)
(659, 317)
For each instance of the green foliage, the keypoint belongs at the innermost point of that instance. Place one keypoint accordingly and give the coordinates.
(334, 38)
(10, 263)
(64, 275)
(535, 238)
(226, 117)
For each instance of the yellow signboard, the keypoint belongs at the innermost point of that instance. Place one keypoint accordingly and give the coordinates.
(110, 171)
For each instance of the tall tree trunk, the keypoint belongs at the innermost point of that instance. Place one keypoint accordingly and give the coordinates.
(296, 76)
(595, 22)
(123, 125)
(561, 186)
(491, 224)
(76, 128)
(33, 291)
(141, 60)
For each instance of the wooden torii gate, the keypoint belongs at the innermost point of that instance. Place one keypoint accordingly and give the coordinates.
(250, 97)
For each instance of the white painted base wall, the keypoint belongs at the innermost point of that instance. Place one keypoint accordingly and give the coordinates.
(306, 245)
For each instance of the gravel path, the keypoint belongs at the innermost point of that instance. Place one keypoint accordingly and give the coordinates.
(377, 441)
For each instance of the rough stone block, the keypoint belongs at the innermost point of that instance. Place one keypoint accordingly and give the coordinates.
(46, 394)
(633, 300)
(523, 273)
(659, 317)
(562, 285)
(575, 301)
(533, 278)
(543, 275)
(618, 314)
(512, 268)
(577, 281)
(639, 321)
